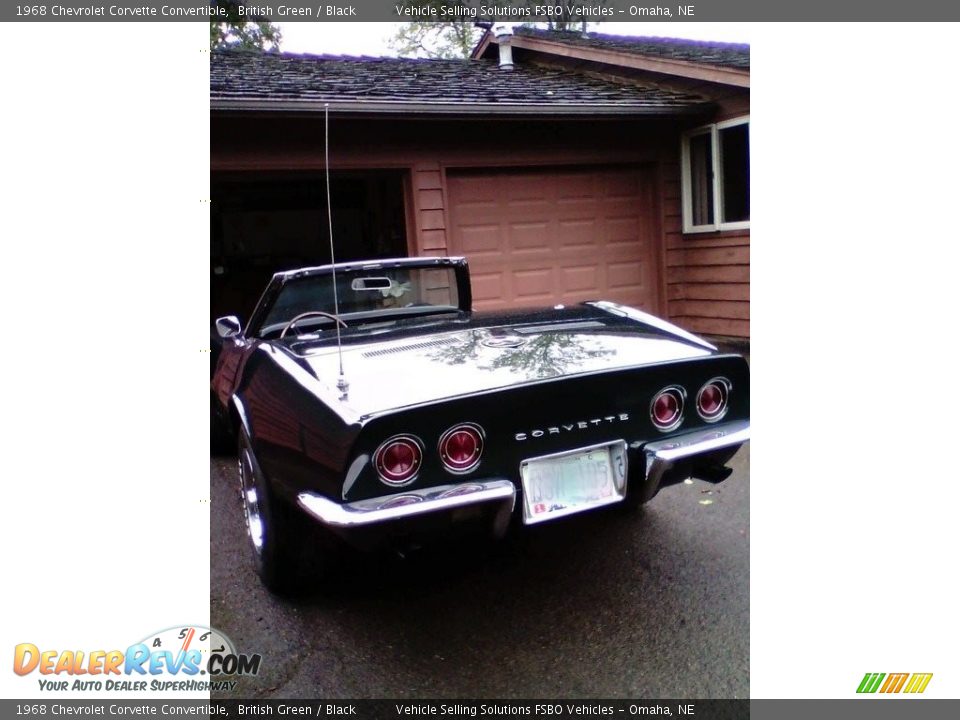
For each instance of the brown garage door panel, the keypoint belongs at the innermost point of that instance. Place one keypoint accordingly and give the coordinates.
(545, 237)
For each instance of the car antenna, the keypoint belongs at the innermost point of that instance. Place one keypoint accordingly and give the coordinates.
(342, 385)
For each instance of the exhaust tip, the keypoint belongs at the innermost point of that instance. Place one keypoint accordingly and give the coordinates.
(714, 474)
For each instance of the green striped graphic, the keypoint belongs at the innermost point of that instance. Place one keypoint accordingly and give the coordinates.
(870, 682)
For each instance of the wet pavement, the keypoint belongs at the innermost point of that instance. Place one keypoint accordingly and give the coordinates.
(615, 604)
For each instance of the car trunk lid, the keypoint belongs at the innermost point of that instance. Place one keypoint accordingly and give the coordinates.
(398, 373)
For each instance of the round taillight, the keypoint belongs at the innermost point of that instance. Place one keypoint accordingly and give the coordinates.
(398, 460)
(666, 410)
(460, 448)
(712, 399)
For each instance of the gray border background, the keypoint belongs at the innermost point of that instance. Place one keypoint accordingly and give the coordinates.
(386, 10)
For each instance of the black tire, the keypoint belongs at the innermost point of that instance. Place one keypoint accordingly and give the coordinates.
(289, 552)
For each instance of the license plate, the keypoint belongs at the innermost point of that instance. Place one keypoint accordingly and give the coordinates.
(573, 481)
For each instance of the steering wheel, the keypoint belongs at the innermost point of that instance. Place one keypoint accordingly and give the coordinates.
(309, 313)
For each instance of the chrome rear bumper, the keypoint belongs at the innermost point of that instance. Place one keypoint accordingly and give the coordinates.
(664, 455)
(409, 504)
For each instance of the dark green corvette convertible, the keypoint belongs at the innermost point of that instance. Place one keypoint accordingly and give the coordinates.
(370, 404)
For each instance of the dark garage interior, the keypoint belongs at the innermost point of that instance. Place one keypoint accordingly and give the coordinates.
(264, 223)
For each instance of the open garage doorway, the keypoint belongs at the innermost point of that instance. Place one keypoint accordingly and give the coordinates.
(265, 223)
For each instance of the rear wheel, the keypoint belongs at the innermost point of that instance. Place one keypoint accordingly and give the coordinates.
(285, 544)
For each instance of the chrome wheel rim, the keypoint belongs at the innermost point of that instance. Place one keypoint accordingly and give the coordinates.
(251, 501)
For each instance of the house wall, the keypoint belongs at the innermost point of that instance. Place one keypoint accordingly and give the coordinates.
(704, 279)
(707, 274)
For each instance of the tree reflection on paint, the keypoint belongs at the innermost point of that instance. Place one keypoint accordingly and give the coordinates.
(540, 356)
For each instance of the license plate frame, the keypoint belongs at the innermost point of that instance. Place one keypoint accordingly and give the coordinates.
(569, 482)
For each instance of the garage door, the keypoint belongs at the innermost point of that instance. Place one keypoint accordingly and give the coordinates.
(554, 236)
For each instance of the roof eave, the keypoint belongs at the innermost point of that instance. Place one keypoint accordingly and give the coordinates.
(441, 108)
(737, 77)
(482, 45)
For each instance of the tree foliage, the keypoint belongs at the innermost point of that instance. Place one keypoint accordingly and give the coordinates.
(580, 25)
(242, 30)
(445, 39)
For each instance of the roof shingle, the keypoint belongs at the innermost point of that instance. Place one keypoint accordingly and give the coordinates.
(266, 77)
(731, 55)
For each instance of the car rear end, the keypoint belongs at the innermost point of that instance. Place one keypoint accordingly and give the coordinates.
(538, 451)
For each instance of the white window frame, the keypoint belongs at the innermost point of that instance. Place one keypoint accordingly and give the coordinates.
(713, 130)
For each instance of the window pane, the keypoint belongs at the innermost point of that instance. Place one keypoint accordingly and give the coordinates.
(735, 154)
(701, 179)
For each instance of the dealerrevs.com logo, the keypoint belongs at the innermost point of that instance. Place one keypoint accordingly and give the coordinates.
(182, 658)
(911, 683)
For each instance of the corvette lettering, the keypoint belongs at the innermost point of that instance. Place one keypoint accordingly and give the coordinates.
(572, 427)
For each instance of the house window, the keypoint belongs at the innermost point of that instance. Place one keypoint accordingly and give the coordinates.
(716, 176)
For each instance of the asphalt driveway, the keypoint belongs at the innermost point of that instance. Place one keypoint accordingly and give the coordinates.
(650, 604)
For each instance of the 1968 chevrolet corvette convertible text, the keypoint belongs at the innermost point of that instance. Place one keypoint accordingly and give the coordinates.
(393, 411)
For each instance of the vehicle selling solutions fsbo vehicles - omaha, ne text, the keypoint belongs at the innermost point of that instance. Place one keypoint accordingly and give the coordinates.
(406, 414)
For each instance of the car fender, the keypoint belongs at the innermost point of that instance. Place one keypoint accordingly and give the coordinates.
(239, 411)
